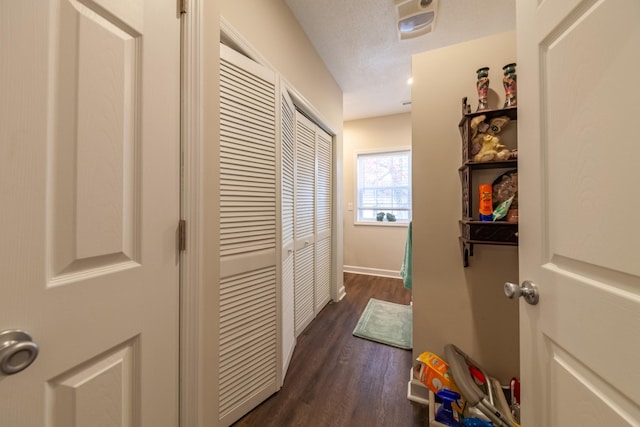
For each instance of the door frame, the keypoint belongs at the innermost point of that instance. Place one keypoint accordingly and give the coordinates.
(200, 72)
(201, 29)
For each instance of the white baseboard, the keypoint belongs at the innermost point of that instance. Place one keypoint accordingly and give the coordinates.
(371, 271)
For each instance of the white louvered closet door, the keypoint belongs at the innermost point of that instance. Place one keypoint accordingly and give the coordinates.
(304, 222)
(287, 155)
(248, 212)
(324, 161)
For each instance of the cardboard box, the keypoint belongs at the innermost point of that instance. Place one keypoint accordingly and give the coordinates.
(433, 372)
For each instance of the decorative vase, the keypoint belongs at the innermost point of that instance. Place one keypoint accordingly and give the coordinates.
(483, 88)
(509, 81)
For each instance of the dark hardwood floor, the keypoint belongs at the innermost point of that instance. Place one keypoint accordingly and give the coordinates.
(336, 379)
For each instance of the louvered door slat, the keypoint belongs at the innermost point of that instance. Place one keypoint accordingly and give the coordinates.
(231, 136)
(248, 114)
(239, 240)
(236, 77)
(304, 275)
(256, 228)
(239, 156)
(234, 91)
(248, 211)
(241, 296)
(324, 182)
(241, 338)
(288, 309)
(323, 219)
(287, 153)
(287, 173)
(304, 293)
(323, 273)
(236, 138)
(241, 197)
(251, 108)
(237, 176)
(232, 180)
(305, 177)
(242, 387)
(238, 162)
(238, 383)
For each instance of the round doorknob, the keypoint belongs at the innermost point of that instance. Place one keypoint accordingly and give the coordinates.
(17, 351)
(528, 290)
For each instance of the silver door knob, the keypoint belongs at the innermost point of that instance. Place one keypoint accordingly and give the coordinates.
(528, 290)
(17, 351)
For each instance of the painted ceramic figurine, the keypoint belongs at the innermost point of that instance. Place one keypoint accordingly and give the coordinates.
(482, 85)
(485, 141)
(509, 81)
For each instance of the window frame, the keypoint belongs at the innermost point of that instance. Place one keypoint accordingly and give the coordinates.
(381, 151)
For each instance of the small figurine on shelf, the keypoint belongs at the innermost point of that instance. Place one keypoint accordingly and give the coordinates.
(379, 216)
(482, 85)
(509, 81)
(485, 142)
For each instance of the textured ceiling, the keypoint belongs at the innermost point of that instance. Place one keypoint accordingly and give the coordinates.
(358, 41)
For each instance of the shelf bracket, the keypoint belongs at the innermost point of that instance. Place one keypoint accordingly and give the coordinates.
(467, 251)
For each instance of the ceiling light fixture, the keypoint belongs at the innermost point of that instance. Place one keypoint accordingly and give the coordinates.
(415, 17)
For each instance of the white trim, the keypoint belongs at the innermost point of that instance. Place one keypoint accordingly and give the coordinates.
(190, 261)
(383, 223)
(280, 372)
(383, 150)
(372, 271)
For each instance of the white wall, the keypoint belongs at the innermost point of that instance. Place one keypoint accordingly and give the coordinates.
(372, 248)
(271, 28)
(453, 304)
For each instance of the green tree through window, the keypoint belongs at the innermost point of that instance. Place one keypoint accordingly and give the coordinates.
(384, 186)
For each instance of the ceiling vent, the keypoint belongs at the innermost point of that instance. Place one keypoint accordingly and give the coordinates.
(415, 17)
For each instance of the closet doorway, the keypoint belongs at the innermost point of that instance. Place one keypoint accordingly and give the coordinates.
(276, 168)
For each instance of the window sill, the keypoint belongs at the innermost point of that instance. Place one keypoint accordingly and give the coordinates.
(382, 223)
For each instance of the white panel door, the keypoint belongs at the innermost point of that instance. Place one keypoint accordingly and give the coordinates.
(578, 170)
(287, 174)
(248, 212)
(89, 202)
(304, 222)
(324, 161)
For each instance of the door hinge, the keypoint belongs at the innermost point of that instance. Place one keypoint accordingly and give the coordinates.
(183, 6)
(182, 235)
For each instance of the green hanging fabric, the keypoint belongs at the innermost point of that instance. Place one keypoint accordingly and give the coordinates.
(407, 264)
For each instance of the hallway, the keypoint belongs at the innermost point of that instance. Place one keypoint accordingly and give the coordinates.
(336, 379)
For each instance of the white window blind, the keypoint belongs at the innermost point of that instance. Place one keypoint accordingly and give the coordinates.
(384, 186)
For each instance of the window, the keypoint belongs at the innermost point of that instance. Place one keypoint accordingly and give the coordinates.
(383, 186)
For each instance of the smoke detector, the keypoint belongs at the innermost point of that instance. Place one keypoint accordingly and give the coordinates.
(415, 17)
